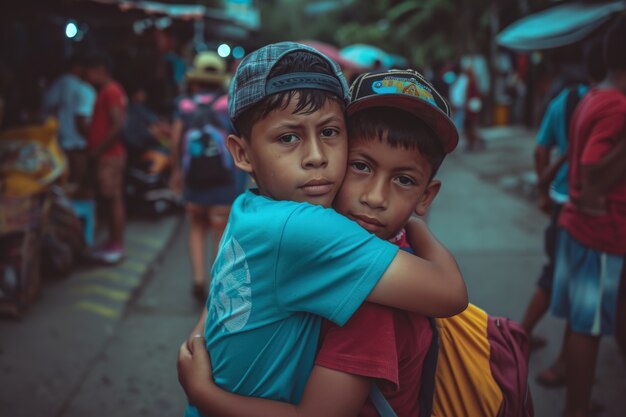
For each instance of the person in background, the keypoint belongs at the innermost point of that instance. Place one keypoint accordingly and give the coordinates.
(440, 78)
(553, 193)
(458, 97)
(208, 207)
(142, 129)
(591, 244)
(473, 107)
(71, 100)
(107, 153)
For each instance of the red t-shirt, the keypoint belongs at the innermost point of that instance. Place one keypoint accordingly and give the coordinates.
(382, 343)
(597, 125)
(110, 96)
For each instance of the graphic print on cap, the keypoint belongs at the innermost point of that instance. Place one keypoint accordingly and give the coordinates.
(406, 86)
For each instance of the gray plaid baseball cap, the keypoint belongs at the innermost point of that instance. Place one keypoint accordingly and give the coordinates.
(251, 84)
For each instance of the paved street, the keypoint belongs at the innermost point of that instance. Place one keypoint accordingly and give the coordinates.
(104, 341)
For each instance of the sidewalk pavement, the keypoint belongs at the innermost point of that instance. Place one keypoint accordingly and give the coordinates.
(486, 215)
(49, 351)
(508, 160)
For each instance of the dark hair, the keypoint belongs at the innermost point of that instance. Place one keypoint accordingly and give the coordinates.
(134, 87)
(594, 60)
(309, 100)
(95, 60)
(614, 41)
(399, 129)
(76, 60)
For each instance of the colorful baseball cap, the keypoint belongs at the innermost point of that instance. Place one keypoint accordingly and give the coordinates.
(406, 90)
(250, 83)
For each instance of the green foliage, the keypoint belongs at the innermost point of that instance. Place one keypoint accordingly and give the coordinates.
(420, 30)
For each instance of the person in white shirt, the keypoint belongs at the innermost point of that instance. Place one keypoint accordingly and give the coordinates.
(71, 100)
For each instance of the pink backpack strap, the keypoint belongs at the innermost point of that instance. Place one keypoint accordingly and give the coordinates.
(509, 366)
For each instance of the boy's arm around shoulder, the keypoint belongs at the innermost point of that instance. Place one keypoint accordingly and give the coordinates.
(331, 270)
(428, 283)
(328, 393)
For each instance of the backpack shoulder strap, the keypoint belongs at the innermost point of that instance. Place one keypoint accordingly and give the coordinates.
(380, 402)
(205, 113)
(211, 102)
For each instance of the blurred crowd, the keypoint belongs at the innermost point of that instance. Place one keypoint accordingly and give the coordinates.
(97, 143)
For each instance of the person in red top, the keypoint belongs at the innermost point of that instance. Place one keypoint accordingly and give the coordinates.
(106, 150)
(592, 241)
(400, 131)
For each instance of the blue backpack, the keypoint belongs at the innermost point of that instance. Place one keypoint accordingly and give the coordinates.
(207, 160)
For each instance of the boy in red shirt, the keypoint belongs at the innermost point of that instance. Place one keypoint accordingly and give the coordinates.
(107, 152)
(400, 130)
(592, 242)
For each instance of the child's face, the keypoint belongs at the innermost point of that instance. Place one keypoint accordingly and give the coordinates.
(384, 186)
(297, 157)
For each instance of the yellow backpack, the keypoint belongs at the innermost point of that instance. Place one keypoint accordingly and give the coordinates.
(477, 366)
(482, 367)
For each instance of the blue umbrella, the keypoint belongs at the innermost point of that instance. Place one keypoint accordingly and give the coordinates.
(366, 55)
(400, 62)
(557, 26)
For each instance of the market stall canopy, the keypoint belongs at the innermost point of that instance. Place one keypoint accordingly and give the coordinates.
(239, 12)
(179, 11)
(558, 26)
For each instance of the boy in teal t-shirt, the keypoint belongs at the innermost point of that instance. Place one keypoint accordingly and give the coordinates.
(400, 131)
(286, 260)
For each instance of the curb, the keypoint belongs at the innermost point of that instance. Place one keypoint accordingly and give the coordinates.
(153, 265)
(108, 291)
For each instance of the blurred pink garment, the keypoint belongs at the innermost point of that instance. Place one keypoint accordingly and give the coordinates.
(221, 104)
(188, 104)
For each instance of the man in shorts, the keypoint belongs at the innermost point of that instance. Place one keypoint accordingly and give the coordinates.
(592, 242)
(107, 154)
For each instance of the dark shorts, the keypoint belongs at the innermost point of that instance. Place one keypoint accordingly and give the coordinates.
(216, 196)
(546, 278)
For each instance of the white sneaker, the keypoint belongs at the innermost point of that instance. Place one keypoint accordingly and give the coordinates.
(109, 254)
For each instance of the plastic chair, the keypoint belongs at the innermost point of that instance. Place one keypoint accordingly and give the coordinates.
(86, 212)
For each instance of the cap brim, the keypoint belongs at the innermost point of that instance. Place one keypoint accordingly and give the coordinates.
(441, 125)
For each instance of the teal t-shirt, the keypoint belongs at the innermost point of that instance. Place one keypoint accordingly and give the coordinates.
(281, 267)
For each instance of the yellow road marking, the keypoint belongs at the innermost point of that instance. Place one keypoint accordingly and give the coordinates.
(94, 289)
(99, 309)
(111, 275)
(133, 266)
